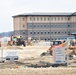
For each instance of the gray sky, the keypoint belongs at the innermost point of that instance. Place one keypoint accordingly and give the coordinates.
(9, 8)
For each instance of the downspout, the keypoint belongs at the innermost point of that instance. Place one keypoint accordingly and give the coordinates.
(50, 27)
(20, 25)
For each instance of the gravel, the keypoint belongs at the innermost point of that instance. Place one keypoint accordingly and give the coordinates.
(39, 71)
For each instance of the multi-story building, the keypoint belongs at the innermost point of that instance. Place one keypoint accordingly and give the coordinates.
(45, 26)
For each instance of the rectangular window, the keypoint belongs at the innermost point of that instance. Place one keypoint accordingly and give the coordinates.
(44, 32)
(49, 26)
(34, 25)
(48, 18)
(37, 25)
(65, 32)
(58, 19)
(44, 19)
(30, 32)
(41, 18)
(41, 32)
(23, 18)
(68, 18)
(34, 18)
(48, 32)
(41, 25)
(37, 32)
(68, 25)
(44, 25)
(62, 32)
(34, 32)
(55, 38)
(55, 18)
(58, 32)
(30, 25)
(23, 32)
(37, 19)
(23, 26)
(55, 32)
(30, 18)
(62, 18)
(69, 33)
(52, 39)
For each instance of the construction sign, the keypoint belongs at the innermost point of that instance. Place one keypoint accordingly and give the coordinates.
(59, 53)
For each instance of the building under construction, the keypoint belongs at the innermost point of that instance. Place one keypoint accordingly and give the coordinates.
(45, 26)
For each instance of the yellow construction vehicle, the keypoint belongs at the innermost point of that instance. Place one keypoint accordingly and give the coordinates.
(72, 49)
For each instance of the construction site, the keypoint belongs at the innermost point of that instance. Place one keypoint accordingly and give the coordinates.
(35, 57)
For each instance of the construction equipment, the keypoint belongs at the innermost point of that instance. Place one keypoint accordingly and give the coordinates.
(55, 43)
(29, 42)
(71, 51)
(17, 40)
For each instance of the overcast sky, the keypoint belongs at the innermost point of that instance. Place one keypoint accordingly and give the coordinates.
(9, 8)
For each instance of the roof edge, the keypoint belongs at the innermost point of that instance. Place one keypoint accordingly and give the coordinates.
(46, 14)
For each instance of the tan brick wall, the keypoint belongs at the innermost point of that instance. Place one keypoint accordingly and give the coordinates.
(23, 22)
(19, 22)
(16, 23)
(46, 21)
(73, 19)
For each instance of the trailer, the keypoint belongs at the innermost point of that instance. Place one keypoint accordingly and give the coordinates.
(12, 56)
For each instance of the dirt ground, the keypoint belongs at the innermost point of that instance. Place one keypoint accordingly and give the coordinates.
(39, 71)
(29, 58)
